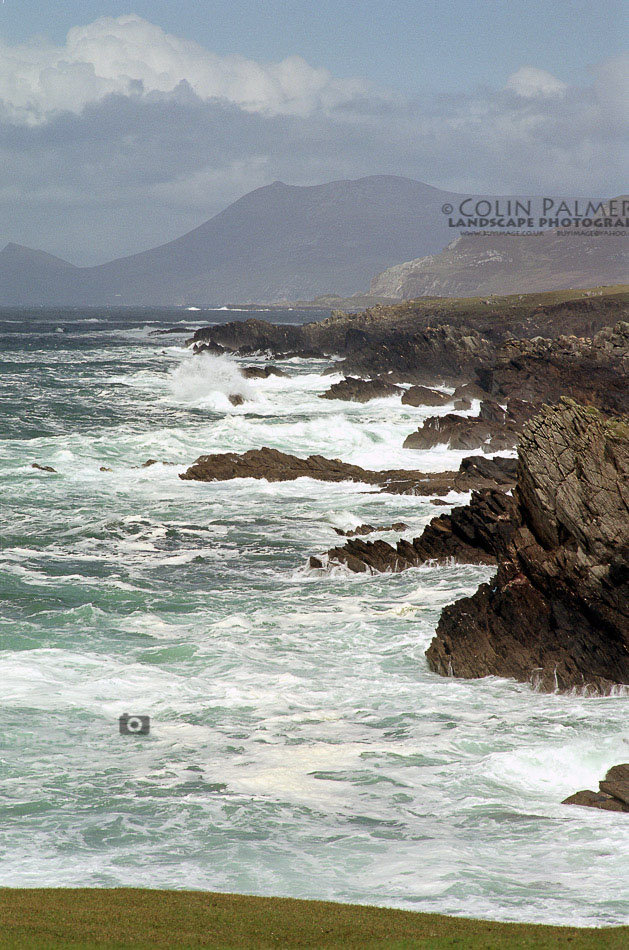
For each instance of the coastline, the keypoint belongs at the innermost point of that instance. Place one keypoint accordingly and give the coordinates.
(308, 710)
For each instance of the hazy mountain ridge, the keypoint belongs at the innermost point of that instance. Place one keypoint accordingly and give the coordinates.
(285, 242)
(278, 242)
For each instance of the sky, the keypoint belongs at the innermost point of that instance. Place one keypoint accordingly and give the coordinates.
(125, 124)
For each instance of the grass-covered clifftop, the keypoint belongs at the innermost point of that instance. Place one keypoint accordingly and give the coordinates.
(548, 313)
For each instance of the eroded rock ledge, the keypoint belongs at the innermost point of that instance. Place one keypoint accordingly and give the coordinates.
(557, 612)
(471, 534)
(277, 466)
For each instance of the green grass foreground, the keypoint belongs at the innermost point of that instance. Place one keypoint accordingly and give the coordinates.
(129, 917)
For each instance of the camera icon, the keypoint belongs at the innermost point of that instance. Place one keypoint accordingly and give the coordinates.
(134, 725)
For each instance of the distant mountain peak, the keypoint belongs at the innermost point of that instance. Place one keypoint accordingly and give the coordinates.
(19, 253)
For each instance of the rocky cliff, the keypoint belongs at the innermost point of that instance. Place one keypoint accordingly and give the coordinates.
(425, 341)
(557, 612)
(593, 371)
(482, 264)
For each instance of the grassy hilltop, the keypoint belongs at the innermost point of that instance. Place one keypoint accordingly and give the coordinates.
(520, 310)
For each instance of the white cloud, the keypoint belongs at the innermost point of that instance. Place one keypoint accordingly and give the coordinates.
(529, 82)
(128, 55)
(126, 136)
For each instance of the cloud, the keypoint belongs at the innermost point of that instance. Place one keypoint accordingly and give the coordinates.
(529, 82)
(130, 56)
(126, 137)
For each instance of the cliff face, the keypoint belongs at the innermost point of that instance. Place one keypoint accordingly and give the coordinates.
(593, 371)
(505, 263)
(557, 612)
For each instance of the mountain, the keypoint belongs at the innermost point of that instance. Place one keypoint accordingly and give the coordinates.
(279, 242)
(28, 276)
(483, 264)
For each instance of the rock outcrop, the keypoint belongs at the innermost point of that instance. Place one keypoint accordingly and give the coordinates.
(370, 529)
(361, 390)
(592, 371)
(472, 534)
(423, 396)
(427, 356)
(262, 372)
(214, 349)
(557, 612)
(277, 466)
(613, 794)
(492, 430)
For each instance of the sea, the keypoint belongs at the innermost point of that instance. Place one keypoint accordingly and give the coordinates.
(298, 744)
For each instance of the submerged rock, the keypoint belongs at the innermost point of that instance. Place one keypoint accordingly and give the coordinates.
(613, 794)
(43, 468)
(557, 612)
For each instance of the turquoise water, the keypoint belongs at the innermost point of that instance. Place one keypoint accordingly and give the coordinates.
(299, 744)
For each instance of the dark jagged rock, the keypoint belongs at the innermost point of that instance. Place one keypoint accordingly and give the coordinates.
(557, 612)
(424, 356)
(592, 371)
(214, 349)
(261, 372)
(462, 432)
(171, 330)
(469, 391)
(472, 534)
(591, 799)
(425, 338)
(616, 782)
(236, 399)
(613, 794)
(492, 412)
(478, 471)
(251, 336)
(493, 429)
(369, 529)
(423, 396)
(43, 468)
(370, 346)
(277, 466)
(360, 390)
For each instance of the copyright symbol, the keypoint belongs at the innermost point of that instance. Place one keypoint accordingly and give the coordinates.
(446, 208)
